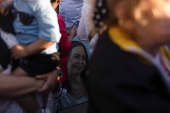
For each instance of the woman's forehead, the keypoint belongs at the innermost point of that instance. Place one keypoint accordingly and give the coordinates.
(78, 50)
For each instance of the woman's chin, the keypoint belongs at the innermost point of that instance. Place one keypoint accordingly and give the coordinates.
(77, 72)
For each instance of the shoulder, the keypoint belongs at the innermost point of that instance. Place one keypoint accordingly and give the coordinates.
(39, 5)
(60, 18)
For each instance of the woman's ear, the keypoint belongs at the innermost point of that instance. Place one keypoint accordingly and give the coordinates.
(119, 10)
(58, 1)
(121, 14)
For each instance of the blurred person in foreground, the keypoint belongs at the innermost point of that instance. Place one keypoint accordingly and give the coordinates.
(129, 69)
(38, 36)
(13, 87)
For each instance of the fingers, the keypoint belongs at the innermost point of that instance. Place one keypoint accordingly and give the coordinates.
(68, 27)
(51, 80)
(74, 27)
(42, 76)
(58, 78)
(14, 53)
(45, 76)
(44, 87)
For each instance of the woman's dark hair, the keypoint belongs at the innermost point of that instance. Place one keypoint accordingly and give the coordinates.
(66, 84)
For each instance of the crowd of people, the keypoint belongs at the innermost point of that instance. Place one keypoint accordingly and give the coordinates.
(112, 54)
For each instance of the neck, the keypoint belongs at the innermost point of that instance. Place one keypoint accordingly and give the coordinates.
(75, 80)
(54, 5)
(146, 43)
(149, 48)
(77, 87)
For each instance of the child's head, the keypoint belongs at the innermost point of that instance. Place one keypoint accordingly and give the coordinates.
(55, 3)
(143, 18)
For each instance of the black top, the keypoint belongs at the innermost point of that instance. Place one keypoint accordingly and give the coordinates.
(4, 54)
(119, 82)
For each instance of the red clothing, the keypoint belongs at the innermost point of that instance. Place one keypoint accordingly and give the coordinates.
(65, 46)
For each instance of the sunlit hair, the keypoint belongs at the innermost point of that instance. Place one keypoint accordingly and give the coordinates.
(138, 10)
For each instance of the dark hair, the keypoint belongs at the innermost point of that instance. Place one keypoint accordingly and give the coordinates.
(6, 22)
(53, 1)
(83, 74)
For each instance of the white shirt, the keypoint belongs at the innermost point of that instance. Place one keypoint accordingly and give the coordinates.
(70, 10)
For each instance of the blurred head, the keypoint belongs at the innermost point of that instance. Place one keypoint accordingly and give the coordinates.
(55, 3)
(77, 60)
(149, 17)
(142, 18)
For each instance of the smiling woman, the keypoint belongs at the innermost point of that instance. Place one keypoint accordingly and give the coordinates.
(76, 66)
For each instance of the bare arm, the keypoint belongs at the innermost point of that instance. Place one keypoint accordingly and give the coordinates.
(72, 34)
(38, 46)
(20, 51)
(15, 86)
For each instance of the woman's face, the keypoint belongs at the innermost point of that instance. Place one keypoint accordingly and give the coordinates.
(77, 61)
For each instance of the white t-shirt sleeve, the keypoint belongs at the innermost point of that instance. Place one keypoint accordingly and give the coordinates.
(86, 24)
(47, 21)
(82, 33)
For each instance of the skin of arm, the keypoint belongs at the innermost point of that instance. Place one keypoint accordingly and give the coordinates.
(72, 34)
(11, 88)
(20, 51)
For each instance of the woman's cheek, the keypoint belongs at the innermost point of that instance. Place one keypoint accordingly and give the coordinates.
(84, 63)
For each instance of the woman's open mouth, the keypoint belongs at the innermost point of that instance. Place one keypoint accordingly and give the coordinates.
(79, 67)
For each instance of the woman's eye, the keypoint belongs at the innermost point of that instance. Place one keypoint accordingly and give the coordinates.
(83, 58)
(76, 56)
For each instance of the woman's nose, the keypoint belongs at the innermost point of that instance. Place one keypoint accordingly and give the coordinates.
(80, 61)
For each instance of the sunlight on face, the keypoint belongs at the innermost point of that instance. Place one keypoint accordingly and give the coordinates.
(152, 9)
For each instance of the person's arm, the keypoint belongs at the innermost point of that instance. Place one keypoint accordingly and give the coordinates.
(72, 34)
(20, 51)
(65, 42)
(86, 23)
(15, 86)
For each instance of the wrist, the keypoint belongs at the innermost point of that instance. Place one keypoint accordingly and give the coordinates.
(39, 84)
(27, 52)
(59, 72)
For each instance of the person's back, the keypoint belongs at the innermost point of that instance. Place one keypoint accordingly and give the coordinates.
(129, 69)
